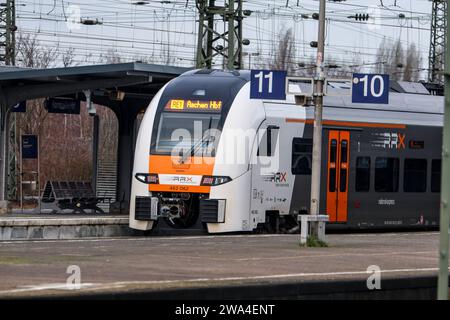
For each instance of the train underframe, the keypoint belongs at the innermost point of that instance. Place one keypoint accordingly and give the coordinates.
(179, 210)
(182, 211)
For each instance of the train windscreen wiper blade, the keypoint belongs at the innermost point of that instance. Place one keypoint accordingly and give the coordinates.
(197, 145)
(192, 150)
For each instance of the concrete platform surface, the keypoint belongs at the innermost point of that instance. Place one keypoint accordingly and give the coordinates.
(34, 220)
(109, 266)
(21, 227)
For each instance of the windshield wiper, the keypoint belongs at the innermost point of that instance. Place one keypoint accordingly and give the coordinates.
(197, 145)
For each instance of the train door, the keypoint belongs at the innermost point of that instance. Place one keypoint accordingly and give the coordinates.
(337, 175)
(272, 180)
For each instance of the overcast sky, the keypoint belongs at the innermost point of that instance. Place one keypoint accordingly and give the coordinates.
(167, 32)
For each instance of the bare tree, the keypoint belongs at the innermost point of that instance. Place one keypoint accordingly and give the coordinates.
(306, 66)
(412, 66)
(109, 135)
(391, 60)
(356, 64)
(397, 61)
(68, 57)
(383, 56)
(30, 53)
(166, 58)
(112, 56)
(65, 140)
(284, 56)
(144, 59)
(336, 69)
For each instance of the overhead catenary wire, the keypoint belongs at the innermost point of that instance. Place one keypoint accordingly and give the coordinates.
(144, 30)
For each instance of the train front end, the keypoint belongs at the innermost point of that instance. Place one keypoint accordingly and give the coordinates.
(177, 176)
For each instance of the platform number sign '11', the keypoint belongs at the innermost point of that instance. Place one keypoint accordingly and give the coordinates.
(370, 88)
(268, 84)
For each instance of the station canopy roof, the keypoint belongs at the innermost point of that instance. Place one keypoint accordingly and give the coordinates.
(135, 79)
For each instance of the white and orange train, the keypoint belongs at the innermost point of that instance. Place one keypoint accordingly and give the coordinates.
(208, 154)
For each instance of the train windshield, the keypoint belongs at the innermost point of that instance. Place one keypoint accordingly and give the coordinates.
(187, 134)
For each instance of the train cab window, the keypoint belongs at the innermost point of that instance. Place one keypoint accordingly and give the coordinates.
(268, 142)
(415, 175)
(386, 174)
(436, 175)
(178, 131)
(301, 156)
(362, 180)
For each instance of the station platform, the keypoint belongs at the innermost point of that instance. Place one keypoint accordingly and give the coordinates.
(41, 226)
(38, 226)
(223, 267)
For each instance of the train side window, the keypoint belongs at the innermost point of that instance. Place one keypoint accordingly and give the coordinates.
(301, 156)
(386, 174)
(268, 142)
(436, 175)
(333, 159)
(362, 179)
(343, 166)
(415, 175)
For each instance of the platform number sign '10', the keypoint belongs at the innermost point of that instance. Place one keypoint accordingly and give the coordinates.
(370, 88)
(268, 84)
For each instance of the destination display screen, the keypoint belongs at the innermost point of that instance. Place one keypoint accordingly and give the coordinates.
(194, 105)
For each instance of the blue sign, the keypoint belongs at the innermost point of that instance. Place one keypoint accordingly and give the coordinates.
(370, 88)
(268, 84)
(29, 146)
(20, 107)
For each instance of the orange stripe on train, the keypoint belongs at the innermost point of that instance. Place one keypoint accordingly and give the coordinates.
(172, 165)
(349, 123)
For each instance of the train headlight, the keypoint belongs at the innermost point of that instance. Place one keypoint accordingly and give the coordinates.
(214, 180)
(148, 178)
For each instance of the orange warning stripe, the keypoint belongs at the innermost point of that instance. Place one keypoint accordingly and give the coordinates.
(349, 123)
(168, 165)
